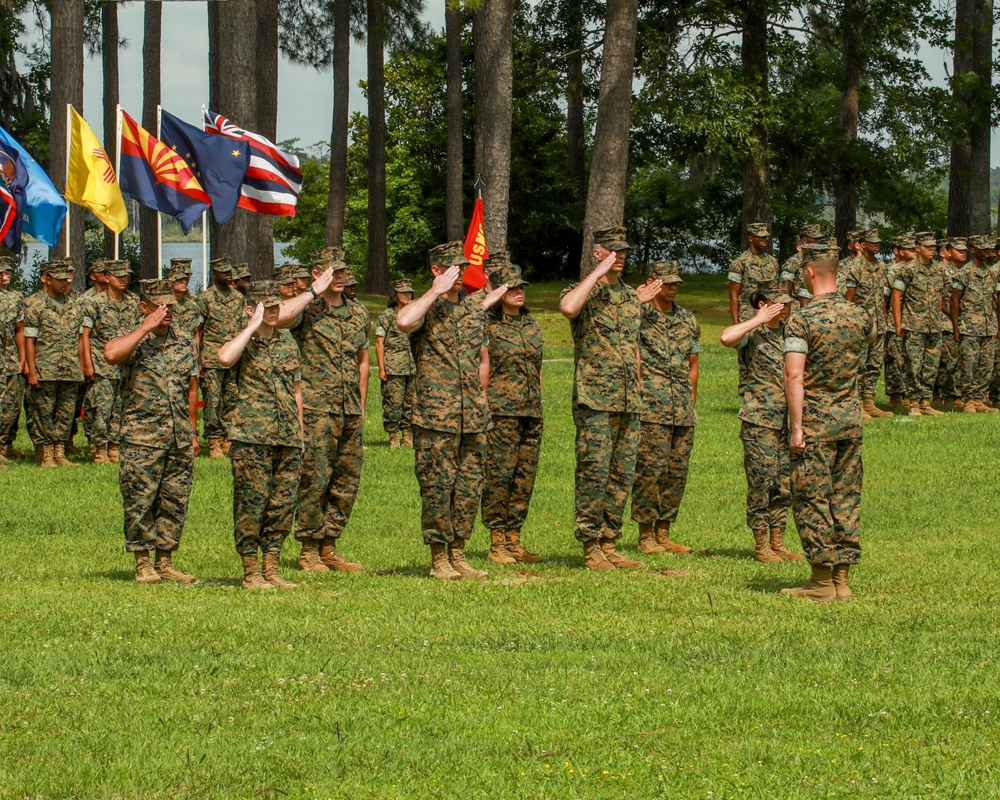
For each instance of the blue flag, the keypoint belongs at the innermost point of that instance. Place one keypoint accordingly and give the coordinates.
(218, 163)
(44, 207)
(13, 182)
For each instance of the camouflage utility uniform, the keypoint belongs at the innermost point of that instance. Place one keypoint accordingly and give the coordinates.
(869, 281)
(948, 382)
(11, 377)
(224, 314)
(922, 287)
(754, 273)
(977, 325)
(400, 372)
(895, 355)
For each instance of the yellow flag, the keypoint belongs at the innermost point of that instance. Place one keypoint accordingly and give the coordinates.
(91, 181)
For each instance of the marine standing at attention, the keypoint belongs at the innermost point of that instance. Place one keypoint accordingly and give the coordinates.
(396, 368)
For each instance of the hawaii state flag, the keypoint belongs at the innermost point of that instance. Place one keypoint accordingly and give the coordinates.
(274, 179)
(476, 253)
(158, 177)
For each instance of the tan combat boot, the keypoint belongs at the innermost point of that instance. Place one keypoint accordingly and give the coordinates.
(663, 540)
(647, 540)
(406, 437)
(842, 590)
(144, 572)
(329, 556)
(929, 410)
(970, 407)
(59, 456)
(48, 455)
(165, 569)
(9, 451)
(778, 546)
(226, 444)
(896, 403)
(762, 550)
(593, 556)
(872, 410)
(498, 549)
(912, 408)
(71, 449)
(982, 408)
(252, 579)
(456, 555)
(394, 440)
(616, 559)
(818, 588)
(92, 450)
(272, 572)
(441, 568)
(39, 452)
(215, 448)
(101, 454)
(309, 557)
(519, 553)
(113, 451)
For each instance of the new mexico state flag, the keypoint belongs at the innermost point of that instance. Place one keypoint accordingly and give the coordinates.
(90, 179)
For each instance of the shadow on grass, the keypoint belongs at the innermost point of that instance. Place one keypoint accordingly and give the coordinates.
(777, 583)
(408, 571)
(128, 576)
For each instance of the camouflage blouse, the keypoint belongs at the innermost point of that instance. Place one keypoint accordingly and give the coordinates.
(830, 332)
(976, 312)
(869, 281)
(11, 313)
(666, 342)
(55, 326)
(398, 355)
(922, 287)
(753, 273)
(606, 350)
(224, 314)
(515, 387)
(330, 339)
(108, 319)
(265, 412)
(764, 399)
(187, 316)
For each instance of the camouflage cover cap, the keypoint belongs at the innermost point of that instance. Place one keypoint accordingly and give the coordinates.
(98, 266)
(906, 242)
(300, 271)
(404, 285)
(758, 229)
(451, 254)
(811, 231)
(265, 292)
(958, 243)
(329, 257)
(224, 264)
(285, 274)
(120, 269)
(782, 298)
(666, 271)
(612, 239)
(982, 242)
(509, 274)
(159, 293)
(854, 236)
(942, 242)
(871, 236)
(926, 238)
(351, 279)
(241, 271)
(179, 269)
(495, 264)
(6, 264)
(820, 252)
(60, 269)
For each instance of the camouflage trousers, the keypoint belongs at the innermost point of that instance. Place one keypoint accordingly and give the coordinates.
(219, 392)
(923, 357)
(51, 409)
(397, 402)
(895, 365)
(102, 411)
(331, 473)
(265, 481)
(826, 501)
(449, 469)
(661, 471)
(155, 485)
(872, 358)
(769, 474)
(81, 393)
(606, 447)
(949, 376)
(978, 353)
(512, 449)
(10, 407)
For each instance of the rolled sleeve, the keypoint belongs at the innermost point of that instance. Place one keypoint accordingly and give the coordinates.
(30, 333)
(898, 284)
(795, 344)
(735, 277)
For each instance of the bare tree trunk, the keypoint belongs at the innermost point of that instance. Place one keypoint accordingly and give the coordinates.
(67, 88)
(377, 274)
(149, 266)
(609, 166)
(494, 62)
(960, 173)
(109, 58)
(756, 167)
(979, 119)
(337, 198)
(261, 257)
(453, 181)
(575, 128)
(846, 201)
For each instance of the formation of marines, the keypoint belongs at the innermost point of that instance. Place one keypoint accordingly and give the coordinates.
(282, 366)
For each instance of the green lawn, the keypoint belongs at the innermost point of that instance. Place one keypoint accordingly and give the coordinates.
(692, 678)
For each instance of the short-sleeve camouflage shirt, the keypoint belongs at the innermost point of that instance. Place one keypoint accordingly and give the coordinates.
(667, 340)
(330, 339)
(187, 315)
(265, 412)
(606, 350)
(397, 352)
(55, 326)
(922, 287)
(752, 273)
(224, 314)
(108, 319)
(515, 387)
(764, 399)
(830, 332)
(869, 280)
(976, 311)
(11, 313)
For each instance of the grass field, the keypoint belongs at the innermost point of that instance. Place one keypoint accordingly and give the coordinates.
(692, 678)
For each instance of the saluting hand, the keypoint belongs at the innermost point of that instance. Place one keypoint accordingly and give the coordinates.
(604, 267)
(647, 291)
(322, 283)
(767, 312)
(444, 282)
(494, 297)
(154, 319)
(256, 318)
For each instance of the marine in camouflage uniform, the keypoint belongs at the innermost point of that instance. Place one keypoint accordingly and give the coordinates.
(605, 316)
(98, 275)
(917, 292)
(515, 399)
(11, 357)
(669, 343)
(266, 434)
(895, 356)
(974, 324)
(287, 283)
(222, 308)
(332, 335)
(752, 270)
(450, 411)
(791, 270)
(159, 434)
(187, 319)
(106, 318)
(823, 347)
(948, 383)
(397, 371)
(51, 331)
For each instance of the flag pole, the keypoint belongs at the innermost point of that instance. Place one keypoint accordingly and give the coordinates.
(204, 228)
(159, 219)
(69, 145)
(118, 157)
(478, 186)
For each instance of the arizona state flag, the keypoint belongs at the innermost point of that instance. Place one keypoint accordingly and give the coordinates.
(90, 179)
(474, 277)
(158, 177)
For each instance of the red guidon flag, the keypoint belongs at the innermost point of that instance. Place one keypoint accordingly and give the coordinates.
(475, 251)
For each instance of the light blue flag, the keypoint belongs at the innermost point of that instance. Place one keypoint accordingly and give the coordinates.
(44, 207)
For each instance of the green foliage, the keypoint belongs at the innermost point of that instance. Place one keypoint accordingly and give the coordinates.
(306, 229)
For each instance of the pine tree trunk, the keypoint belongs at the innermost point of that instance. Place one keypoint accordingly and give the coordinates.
(756, 167)
(377, 274)
(152, 27)
(337, 197)
(575, 129)
(261, 258)
(109, 58)
(494, 64)
(846, 191)
(453, 181)
(609, 165)
(979, 118)
(960, 172)
(67, 88)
